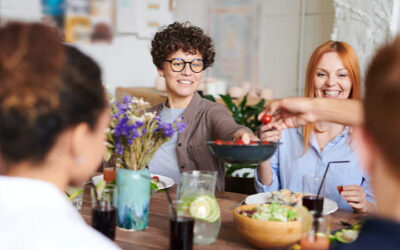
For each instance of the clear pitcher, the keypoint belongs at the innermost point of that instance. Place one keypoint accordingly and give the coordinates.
(196, 191)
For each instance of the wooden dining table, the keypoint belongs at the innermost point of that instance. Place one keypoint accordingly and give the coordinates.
(156, 235)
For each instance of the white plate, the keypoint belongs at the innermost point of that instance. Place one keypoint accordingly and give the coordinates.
(330, 206)
(167, 181)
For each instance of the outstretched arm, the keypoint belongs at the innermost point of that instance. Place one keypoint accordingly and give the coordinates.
(298, 111)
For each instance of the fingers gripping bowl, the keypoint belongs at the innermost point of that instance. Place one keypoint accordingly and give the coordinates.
(252, 153)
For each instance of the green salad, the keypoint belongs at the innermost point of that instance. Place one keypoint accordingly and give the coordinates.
(273, 212)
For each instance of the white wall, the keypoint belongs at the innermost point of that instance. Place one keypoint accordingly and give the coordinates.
(283, 56)
(284, 50)
(126, 62)
(365, 26)
(26, 10)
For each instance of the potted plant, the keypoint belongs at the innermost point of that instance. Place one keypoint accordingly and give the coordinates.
(236, 174)
(133, 137)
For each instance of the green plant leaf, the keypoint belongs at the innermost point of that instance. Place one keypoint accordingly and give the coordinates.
(153, 186)
(260, 104)
(243, 103)
(232, 168)
(228, 101)
(209, 97)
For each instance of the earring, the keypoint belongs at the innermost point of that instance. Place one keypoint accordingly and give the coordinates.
(79, 160)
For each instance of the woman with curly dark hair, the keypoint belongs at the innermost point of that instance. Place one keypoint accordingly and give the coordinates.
(53, 113)
(181, 52)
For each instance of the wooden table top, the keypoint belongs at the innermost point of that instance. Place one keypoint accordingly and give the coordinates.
(156, 235)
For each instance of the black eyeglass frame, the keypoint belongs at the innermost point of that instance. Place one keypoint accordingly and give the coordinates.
(185, 62)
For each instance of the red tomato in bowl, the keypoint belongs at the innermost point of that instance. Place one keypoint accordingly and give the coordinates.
(230, 142)
(239, 142)
(219, 142)
(265, 142)
(266, 119)
(156, 178)
(254, 142)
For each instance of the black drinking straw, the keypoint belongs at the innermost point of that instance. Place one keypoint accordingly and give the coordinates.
(170, 201)
(326, 171)
(168, 196)
(318, 214)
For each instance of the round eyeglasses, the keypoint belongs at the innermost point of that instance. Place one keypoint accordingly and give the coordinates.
(178, 64)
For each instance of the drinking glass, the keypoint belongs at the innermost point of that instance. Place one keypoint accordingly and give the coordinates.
(109, 170)
(181, 226)
(316, 236)
(104, 214)
(198, 187)
(77, 201)
(311, 184)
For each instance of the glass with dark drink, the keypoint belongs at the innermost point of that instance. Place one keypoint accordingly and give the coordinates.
(313, 203)
(181, 233)
(104, 219)
(181, 226)
(104, 214)
(311, 184)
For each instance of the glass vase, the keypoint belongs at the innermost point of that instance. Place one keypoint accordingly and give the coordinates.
(133, 198)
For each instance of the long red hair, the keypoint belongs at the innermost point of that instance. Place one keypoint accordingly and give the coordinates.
(350, 62)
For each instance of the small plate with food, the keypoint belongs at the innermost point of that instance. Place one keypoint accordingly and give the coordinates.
(159, 180)
(162, 182)
(288, 198)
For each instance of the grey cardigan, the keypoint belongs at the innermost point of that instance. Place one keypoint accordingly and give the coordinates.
(206, 121)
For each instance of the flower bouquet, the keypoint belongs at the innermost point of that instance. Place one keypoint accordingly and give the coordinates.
(133, 137)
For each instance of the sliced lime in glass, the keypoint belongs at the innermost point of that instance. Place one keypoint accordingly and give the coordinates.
(76, 193)
(205, 208)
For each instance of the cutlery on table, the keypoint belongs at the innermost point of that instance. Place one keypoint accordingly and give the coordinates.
(238, 204)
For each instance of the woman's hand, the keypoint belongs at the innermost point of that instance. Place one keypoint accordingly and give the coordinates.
(245, 136)
(293, 112)
(357, 199)
(267, 134)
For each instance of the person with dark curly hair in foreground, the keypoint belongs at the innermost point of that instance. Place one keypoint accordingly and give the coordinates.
(181, 52)
(53, 112)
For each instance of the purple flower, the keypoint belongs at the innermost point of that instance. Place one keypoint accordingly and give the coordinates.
(127, 99)
(127, 129)
(180, 127)
(139, 123)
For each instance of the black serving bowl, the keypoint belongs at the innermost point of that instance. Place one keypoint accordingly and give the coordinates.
(243, 154)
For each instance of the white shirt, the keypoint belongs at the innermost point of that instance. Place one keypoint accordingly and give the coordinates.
(289, 165)
(36, 215)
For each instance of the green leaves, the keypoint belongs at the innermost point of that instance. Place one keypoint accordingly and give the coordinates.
(209, 97)
(230, 168)
(242, 114)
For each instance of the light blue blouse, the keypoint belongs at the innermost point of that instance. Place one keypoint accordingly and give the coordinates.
(288, 165)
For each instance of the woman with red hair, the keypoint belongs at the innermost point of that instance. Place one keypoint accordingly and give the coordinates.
(332, 72)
